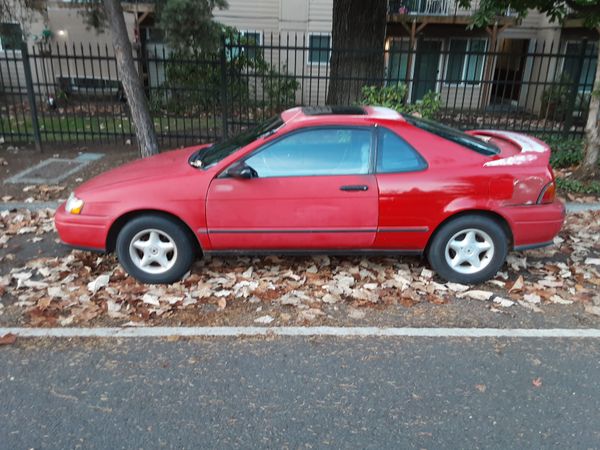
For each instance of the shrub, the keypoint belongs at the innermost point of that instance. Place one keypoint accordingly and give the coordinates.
(565, 152)
(395, 97)
(194, 80)
(577, 186)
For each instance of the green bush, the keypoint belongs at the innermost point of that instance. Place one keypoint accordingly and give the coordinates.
(565, 152)
(556, 100)
(194, 80)
(395, 97)
(577, 186)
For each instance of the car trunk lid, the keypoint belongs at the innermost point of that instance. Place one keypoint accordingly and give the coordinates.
(515, 148)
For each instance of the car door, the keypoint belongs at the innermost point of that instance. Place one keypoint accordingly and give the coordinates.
(312, 189)
(404, 183)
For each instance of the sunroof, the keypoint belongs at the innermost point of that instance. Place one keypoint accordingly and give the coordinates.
(326, 110)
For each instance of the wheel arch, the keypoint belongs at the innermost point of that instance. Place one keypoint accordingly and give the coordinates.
(498, 218)
(119, 223)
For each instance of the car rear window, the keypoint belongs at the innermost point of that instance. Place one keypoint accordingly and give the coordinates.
(395, 155)
(451, 134)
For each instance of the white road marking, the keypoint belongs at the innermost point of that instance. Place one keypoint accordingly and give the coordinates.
(142, 332)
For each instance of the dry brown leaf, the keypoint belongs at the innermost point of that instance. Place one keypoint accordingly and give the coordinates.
(8, 339)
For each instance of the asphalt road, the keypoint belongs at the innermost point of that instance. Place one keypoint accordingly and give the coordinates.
(300, 393)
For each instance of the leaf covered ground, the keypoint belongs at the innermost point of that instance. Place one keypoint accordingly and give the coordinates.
(86, 289)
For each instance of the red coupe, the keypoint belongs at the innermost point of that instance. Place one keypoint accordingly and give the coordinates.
(325, 180)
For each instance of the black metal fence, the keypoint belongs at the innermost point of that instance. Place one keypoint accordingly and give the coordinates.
(71, 93)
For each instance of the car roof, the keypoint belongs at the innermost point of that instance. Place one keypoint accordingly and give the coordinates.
(341, 114)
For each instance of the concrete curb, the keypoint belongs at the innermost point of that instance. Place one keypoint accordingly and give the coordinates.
(572, 207)
(158, 332)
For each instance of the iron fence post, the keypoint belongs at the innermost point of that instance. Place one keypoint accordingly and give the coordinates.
(223, 64)
(31, 97)
(574, 90)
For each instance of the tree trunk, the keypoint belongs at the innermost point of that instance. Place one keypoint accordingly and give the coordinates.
(132, 85)
(358, 39)
(589, 165)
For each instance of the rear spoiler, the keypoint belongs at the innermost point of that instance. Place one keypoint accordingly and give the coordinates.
(532, 150)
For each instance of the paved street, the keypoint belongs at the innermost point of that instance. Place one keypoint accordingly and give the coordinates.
(300, 393)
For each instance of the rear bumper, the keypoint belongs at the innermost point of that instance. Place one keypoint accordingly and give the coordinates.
(535, 225)
(80, 230)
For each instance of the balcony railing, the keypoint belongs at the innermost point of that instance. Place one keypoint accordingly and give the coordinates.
(433, 8)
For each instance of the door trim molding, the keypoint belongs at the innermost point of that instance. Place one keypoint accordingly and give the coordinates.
(312, 231)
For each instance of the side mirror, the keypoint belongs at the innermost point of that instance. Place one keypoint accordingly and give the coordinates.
(241, 171)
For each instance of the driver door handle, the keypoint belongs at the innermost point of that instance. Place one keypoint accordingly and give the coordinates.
(354, 187)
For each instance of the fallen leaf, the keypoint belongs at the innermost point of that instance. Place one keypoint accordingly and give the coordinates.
(504, 302)
(592, 309)
(537, 382)
(8, 339)
(356, 314)
(480, 387)
(150, 299)
(98, 283)
(517, 285)
(532, 298)
(477, 295)
(264, 319)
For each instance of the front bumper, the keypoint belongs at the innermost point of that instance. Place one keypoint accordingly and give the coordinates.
(535, 225)
(81, 230)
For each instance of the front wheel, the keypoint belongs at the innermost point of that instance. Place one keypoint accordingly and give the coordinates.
(469, 250)
(155, 249)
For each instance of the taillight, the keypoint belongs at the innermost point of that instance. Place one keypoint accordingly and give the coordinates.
(548, 193)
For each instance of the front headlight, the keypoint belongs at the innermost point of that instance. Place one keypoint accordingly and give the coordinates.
(74, 205)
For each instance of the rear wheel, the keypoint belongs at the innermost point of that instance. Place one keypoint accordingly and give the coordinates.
(469, 249)
(155, 249)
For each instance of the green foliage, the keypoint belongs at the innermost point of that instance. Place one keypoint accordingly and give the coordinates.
(394, 97)
(557, 11)
(280, 88)
(188, 25)
(195, 80)
(556, 100)
(565, 152)
(577, 186)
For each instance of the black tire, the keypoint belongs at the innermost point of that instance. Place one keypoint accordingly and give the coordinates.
(170, 234)
(489, 229)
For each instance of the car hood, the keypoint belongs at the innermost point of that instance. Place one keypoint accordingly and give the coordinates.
(165, 165)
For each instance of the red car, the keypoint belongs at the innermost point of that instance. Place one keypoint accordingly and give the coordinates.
(325, 180)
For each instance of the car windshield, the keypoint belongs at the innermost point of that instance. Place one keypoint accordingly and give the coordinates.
(451, 134)
(210, 156)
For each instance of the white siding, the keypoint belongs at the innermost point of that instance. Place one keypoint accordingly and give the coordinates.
(260, 15)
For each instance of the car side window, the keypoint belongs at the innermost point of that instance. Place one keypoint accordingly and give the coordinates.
(321, 151)
(396, 155)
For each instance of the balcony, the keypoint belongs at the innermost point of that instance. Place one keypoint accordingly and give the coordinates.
(401, 10)
(428, 8)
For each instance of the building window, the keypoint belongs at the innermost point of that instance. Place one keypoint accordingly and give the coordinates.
(252, 40)
(319, 48)
(245, 43)
(582, 62)
(10, 36)
(465, 61)
(398, 60)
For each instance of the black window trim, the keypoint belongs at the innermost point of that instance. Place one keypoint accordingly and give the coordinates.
(492, 151)
(379, 152)
(371, 127)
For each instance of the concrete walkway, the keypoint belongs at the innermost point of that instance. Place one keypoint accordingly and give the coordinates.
(572, 207)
